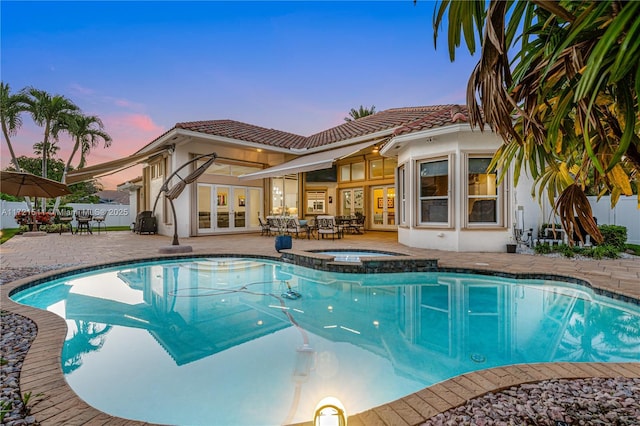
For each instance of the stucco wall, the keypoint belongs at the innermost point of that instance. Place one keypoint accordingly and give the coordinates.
(453, 143)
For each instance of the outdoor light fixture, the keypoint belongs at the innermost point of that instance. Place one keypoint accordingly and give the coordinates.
(330, 412)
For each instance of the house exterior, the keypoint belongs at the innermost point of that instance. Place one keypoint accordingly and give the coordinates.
(417, 171)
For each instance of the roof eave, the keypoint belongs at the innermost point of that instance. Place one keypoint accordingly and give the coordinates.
(428, 133)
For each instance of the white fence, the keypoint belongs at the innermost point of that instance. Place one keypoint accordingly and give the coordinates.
(625, 213)
(117, 214)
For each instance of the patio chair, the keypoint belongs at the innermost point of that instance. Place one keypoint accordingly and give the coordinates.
(100, 220)
(83, 217)
(294, 227)
(264, 227)
(65, 218)
(145, 223)
(358, 223)
(274, 225)
(326, 225)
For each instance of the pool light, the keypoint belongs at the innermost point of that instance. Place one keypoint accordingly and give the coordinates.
(330, 412)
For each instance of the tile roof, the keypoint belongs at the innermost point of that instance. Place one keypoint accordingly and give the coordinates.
(403, 120)
(452, 114)
(383, 120)
(243, 131)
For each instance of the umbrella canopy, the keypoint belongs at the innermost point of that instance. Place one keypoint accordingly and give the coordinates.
(28, 185)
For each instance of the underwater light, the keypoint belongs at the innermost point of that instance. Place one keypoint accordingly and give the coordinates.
(330, 412)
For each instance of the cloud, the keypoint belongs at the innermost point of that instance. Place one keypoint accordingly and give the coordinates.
(77, 89)
(135, 122)
(124, 103)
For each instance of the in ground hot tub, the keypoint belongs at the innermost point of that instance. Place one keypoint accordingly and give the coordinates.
(354, 255)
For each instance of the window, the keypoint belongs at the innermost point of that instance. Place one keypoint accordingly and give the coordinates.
(222, 168)
(375, 169)
(284, 195)
(316, 202)
(434, 192)
(354, 171)
(382, 168)
(157, 170)
(484, 195)
(402, 195)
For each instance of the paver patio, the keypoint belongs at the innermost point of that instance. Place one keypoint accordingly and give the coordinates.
(42, 373)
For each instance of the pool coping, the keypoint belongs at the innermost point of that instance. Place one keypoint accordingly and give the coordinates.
(54, 402)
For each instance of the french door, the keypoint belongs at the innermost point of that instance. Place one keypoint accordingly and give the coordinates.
(351, 201)
(225, 208)
(383, 207)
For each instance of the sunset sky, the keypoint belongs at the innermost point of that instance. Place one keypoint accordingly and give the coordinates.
(293, 66)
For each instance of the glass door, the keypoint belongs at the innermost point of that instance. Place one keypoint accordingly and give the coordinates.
(239, 208)
(224, 208)
(383, 208)
(351, 201)
(205, 209)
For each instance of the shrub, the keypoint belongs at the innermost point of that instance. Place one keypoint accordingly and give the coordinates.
(566, 250)
(614, 235)
(544, 248)
(602, 251)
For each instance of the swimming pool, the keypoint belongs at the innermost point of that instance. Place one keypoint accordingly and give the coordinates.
(216, 341)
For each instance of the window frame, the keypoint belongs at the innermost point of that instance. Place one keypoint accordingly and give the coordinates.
(402, 193)
(350, 166)
(501, 198)
(307, 199)
(450, 223)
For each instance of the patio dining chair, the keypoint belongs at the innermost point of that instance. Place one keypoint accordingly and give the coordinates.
(294, 227)
(100, 220)
(264, 226)
(65, 218)
(326, 225)
(274, 224)
(84, 217)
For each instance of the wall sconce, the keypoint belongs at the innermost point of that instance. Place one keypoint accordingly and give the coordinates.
(171, 149)
(330, 199)
(375, 149)
(330, 411)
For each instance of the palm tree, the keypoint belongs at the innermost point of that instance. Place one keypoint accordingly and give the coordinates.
(354, 114)
(11, 106)
(566, 105)
(48, 111)
(86, 131)
(51, 148)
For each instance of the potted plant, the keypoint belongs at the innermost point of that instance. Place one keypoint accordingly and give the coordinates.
(283, 240)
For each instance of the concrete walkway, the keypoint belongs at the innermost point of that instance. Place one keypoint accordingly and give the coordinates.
(42, 373)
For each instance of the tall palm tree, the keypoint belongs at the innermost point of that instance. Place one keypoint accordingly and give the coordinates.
(48, 111)
(566, 105)
(86, 132)
(52, 148)
(11, 108)
(354, 114)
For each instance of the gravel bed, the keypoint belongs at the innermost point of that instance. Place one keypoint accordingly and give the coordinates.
(594, 401)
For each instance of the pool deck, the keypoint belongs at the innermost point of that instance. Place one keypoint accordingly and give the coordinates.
(42, 373)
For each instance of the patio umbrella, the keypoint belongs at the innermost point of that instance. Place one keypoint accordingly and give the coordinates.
(28, 185)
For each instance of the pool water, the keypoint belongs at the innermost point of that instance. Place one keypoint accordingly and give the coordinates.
(217, 342)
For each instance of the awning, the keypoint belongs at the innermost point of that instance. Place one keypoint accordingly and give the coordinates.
(110, 167)
(308, 163)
